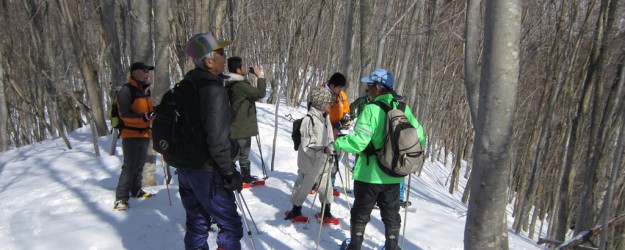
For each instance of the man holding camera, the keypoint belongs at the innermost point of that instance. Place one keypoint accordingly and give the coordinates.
(243, 97)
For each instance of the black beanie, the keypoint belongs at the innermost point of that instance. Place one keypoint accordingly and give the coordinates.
(337, 79)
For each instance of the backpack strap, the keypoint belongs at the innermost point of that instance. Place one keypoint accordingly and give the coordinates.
(370, 149)
(133, 95)
(311, 119)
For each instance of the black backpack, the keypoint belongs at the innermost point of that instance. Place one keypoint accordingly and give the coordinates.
(116, 122)
(296, 135)
(177, 132)
(401, 154)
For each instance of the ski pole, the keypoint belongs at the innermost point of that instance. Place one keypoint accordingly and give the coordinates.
(323, 206)
(345, 190)
(249, 232)
(166, 179)
(250, 213)
(403, 234)
(312, 203)
(346, 164)
(343, 183)
(262, 161)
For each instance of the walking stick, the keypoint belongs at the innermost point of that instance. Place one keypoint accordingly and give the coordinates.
(323, 206)
(262, 161)
(250, 213)
(345, 190)
(166, 178)
(249, 232)
(403, 234)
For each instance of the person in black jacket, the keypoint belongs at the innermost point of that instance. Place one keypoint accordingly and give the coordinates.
(206, 191)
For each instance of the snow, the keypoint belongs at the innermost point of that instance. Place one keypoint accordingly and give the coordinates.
(57, 198)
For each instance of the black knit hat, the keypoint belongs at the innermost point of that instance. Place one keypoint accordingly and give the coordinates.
(337, 79)
(141, 66)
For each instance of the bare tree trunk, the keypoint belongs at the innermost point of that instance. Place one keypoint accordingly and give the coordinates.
(616, 163)
(86, 68)
(4, 111)
(219, 17)
(162, 79)
(382, 34)
(409, 52)
(586, 213)
(346, 61)
(472, 55)
(141, 50)
(111, 36)
(486, 226)
(141, 32)
(366, 56)
(201, 16)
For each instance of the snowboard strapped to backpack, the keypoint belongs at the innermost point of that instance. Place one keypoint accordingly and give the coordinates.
(177, 132)
(401, 154)
(296, 134)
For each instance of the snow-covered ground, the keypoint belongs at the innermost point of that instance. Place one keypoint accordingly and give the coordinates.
(56, 198)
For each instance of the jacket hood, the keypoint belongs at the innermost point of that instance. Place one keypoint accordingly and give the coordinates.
(234, 77)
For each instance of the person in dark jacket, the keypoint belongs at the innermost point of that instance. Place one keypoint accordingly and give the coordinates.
(206, 191)
(136, 111)
(243, 97)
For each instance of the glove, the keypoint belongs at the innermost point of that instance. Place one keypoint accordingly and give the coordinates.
(345, 122)
(233, 181)
(329, 149)
(345, 119)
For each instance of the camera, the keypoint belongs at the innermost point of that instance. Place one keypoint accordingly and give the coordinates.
(250, 70)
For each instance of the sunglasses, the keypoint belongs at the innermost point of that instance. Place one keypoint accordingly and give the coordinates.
(379, 79)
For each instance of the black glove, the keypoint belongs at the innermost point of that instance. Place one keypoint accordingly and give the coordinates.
(233, 181)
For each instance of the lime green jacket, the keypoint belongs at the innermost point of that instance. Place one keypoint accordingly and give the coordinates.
(370, 128)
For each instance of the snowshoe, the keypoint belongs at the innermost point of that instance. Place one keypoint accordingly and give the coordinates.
(250, 181)
(345, 244)
(143, 194)
(405, 204)
(328, 220)
(121, 205)
(336, 193)
(293, 217)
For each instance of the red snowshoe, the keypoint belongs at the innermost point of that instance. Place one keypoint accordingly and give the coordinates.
(295, 218)
(253, 181)
(328, 220)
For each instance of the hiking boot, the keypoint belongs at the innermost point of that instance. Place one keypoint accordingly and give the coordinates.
(249, 179)
(295, 211)
(121, 205)
(405, 204)
(143, 194)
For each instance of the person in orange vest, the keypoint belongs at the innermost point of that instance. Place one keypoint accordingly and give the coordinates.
(137, 115)
(339, 108)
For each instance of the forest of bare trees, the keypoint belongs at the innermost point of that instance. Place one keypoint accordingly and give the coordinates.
(562, 156)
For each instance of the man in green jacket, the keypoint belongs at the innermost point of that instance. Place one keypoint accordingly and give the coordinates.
(371, 184)
(243, 97)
